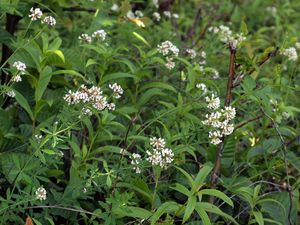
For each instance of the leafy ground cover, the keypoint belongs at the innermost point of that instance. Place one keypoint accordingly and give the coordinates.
(149, 112)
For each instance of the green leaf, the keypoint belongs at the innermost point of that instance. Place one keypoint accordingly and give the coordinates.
(182, 189)
(189, 209)
(147, 95)
(142, 39)
(214, 209)
(135, 212)
(189, 178)
(202, 175)
(59, 53)
(258, 217)
(203, 215)
(167, 207)
(44, 79)
(23, 102)
(217, 194)
(115, 76)
(158, 85)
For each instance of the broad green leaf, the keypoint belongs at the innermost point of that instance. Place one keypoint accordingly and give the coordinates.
(214, 209)
(189, 209)
(258, 217)
(167, 207)
(182, 189)
(218, 194)
(115, 76)
(44, 79)
(203, 215)
(202, 175)
(23, 102)
(142, 39)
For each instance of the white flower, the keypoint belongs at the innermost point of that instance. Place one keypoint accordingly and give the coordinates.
(51, 21)
(156, 16)
(160, 157)
(36, 13)
(86, 111)
(215, 137)
(101, 34)
(272, 9)
(192, 53)
(11, 94)
(20, 66)
(158, 143)
(115, 8)
(202, 87)
(16, 78)
(213, 102)
(203, 54)
(285, 115)
(136, 161)
(228, 112)
(170, 64)
(175, 15)
(215, 74)
(130, 15)
(111, 106)
(117, 89)
(167, 47)
(227, 128)
(291, 53)
(41, 193)
(213, 119)
(167, 14)
(297, 44)
(123, 152)
(139, 13)
(85, 38)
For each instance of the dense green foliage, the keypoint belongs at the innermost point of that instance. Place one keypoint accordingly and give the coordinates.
(94, 162)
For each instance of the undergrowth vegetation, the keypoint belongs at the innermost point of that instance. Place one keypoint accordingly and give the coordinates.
(149, 112)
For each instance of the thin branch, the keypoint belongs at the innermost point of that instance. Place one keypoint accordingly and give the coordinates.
(217, 166)
(247, 121)
(270, 55)
(284, 147)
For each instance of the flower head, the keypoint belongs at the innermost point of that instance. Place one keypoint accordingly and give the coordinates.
(41, 193)
(291, 53)
(136, 161)
(101, 34)
(85, 38)
(117, 89)
(51, 21)
(158, 143)
(36, 13)
(20, 66)
(213, 102)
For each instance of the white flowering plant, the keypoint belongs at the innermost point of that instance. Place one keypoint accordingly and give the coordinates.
(149, 112)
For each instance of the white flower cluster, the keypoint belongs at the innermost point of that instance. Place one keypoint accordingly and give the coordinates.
(136, 161)
(139, 14)
(169, 15)
(156, 16)
(91, 96)
(20, 66)
(85, 38)
(169, 50)
(50, 20)
(98, 34)
(202, 87)
(203, 58)
(115, 8)
(41, 193)
(213, 102)
(36, 13)
(227, 36)
(101, 34)
(291, 53)
(219, 121)
(160, 155)
(192, 53)
(11, 94)
(117, 89)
